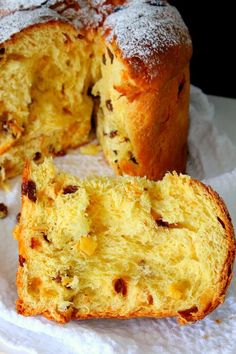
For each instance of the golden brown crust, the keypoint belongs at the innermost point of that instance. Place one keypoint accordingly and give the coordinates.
(184, 316)
(227, 272)
(158, 129)
(170, 64)
(171, 49)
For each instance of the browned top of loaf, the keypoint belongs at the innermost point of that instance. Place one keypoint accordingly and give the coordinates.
(150, 35)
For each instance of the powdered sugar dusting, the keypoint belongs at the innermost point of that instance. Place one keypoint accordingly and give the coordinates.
(96, 3)
(19, 14)
(14, 5)
(19, 5)
(144, 28)
(17, 21)
(83, 13)
(86, 18)
(80, 13)
(89, 14)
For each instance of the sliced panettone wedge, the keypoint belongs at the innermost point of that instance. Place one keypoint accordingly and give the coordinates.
(121, 247)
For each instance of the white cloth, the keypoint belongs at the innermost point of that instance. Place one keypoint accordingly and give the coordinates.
(212, 157)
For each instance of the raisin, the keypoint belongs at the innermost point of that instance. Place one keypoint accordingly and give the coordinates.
(3, 210)
(111, 55)
(115, 161)
(21, 260)
(89, 91)
(142, 263)
(133, 159)
(163, 223)
(37, 156)
(115, 152)
(120, 286)
(46, 237)
(104, 59)
(52, 150)
(150, 299)
(2, 51)
(80, 36)
(126, 140)
(66, 110)
(29, 189)
(221, 222)
(70, 189)
(34, 243)
(113, 133)
(109, 105)
(18, 217)
(63, 89)
(57, 278)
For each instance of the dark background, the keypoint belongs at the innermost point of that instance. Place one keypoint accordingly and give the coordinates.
(213, 31)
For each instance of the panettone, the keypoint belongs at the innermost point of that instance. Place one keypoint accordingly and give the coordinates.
(121, 247)
(69, 66)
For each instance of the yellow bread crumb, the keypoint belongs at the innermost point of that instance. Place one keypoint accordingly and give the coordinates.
(90, 149)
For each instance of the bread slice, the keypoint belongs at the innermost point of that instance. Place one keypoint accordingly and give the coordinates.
(121, 247)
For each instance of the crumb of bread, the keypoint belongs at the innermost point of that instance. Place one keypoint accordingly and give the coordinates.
(90, 149)
(121, 247)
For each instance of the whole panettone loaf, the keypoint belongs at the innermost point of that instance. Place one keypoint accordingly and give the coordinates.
(121, 247)
(121, 66)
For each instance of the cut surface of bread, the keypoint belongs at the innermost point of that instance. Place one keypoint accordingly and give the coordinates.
(121, 247)
(45, 107)
(58, 79)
